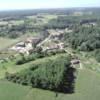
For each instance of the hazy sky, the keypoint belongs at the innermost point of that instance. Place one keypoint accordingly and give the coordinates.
(31, 4)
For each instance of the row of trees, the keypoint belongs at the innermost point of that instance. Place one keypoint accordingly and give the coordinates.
(36, 55)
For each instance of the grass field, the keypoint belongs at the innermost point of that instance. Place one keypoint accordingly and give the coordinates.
(87, 88)
(5, 42)
(10, 91)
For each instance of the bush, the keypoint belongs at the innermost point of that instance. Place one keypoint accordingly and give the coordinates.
(23, 60)
(97, 55)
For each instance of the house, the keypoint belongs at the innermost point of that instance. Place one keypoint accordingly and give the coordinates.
(56, 34)
(24, 51)
(67, 30)
(88, 22)
(61, 45)
(26, 45)
(75, 61)
(50, 47)
(33, 40)
(20, 44)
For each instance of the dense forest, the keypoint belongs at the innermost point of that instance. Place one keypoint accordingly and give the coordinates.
(57, 76)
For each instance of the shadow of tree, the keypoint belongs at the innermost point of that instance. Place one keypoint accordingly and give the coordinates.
(68, 83)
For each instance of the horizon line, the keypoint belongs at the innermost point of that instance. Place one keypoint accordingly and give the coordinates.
(47, 8)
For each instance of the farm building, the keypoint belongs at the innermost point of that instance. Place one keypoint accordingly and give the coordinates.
(53, 46)
(33, 40)
(75, 61)
(26, 46)
(56, 34)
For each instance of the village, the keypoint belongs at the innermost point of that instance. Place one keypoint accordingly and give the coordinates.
(50, 53)
(51, 43)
